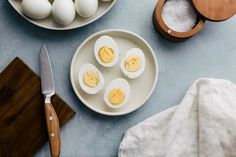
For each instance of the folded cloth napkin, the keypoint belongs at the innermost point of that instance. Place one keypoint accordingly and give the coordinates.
(202, 125)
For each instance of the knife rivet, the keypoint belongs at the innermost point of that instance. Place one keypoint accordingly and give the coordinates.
(52, 134)
(50, 118)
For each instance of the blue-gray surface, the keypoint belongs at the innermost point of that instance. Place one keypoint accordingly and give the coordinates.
(212, 53)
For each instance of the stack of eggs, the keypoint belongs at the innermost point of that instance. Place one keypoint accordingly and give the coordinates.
(63, 11)
(107, 55)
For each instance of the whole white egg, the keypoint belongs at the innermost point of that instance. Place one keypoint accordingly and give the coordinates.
(110, 58)
(86, 8)
(36, 9)
(133, 64)
(96, 75)
(63, 11)
(117, 84)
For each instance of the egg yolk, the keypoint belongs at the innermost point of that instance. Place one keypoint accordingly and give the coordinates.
(116, 96)
(106, 54)
(133, 63)
(90, 79)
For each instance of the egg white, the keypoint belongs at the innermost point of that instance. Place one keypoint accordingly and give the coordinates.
(119, 83)
(139, 72)
(89, 67)
(109, 42)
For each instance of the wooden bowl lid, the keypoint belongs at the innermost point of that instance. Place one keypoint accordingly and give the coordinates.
(216, 10)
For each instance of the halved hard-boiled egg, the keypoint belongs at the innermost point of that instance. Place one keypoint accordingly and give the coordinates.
(106, 51)
(117, 93)
(133, 64)
(90, 79)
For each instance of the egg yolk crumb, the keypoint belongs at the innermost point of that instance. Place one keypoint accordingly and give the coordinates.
(133, 63)
(90, 79)
(116, 96)
(106, 54)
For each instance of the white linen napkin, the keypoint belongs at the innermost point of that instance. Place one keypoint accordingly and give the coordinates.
(202, 125)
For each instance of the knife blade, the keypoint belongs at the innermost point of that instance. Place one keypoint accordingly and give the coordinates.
(48, 90)
(47, 81)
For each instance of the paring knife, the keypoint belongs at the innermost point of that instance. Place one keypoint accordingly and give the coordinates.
(48, 90)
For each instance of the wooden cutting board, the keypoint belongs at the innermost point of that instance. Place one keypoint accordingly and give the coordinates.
(22, 120)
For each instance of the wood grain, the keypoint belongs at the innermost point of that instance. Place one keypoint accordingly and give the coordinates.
(23, 128)
(216, 10)
(53, 129)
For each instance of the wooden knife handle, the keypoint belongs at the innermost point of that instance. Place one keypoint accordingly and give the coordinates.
(53, 130)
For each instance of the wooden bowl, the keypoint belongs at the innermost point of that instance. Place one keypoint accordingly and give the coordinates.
(170, 34)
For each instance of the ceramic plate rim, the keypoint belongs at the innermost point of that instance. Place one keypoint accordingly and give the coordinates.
(74, 60)
(65, 28)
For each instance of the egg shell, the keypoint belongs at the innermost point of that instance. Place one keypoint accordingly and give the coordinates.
(63, 11)
(119, 83)
(89, 67)
(86, 8)
(109, 42)
(136, 74)
(36, 9)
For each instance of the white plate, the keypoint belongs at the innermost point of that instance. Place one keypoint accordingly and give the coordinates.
(49, 23)
(141, 88)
